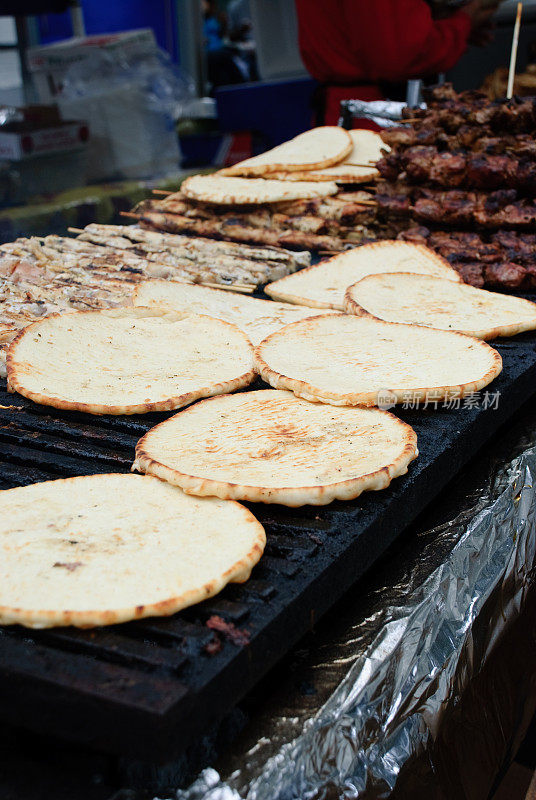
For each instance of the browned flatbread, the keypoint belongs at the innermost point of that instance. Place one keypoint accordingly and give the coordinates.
(437, 303)
(103, 549)
(346, 360)
(251, 191)
(315, 149)
(128, 361)
(271, 447)
(323, 285)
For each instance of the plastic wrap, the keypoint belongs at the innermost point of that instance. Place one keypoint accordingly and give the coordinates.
(132, 103)
(408, 665)
(166, 88)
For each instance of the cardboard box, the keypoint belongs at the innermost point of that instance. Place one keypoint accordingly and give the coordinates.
(19, 141)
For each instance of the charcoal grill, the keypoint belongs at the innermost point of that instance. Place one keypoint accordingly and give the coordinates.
(147, 689)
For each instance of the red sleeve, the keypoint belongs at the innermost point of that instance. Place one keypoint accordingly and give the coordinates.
(399, 39)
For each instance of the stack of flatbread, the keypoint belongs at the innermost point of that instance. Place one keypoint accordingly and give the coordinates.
(262, 179)
(306, 167)
(290, 196)
(322, 154)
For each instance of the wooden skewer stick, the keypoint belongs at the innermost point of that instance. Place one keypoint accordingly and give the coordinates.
(513, 53)
(76, 230)
(369, 165)
(130, 215)
(366, 202)
(163, 192)
(410, 121)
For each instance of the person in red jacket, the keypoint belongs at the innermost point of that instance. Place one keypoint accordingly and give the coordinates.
(354, 47)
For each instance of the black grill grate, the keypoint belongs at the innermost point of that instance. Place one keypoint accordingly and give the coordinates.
(148, 688)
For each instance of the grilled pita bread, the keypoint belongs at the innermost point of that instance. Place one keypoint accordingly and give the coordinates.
(243, 191)
(437, 303)
(341, 173)
(346, 360)
(103, 549)
(324, 285)
(272, 447)
(128, 361)
(367, 147)
(315, 149)
(257, 318)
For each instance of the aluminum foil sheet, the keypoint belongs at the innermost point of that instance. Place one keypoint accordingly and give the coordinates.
(407, 662)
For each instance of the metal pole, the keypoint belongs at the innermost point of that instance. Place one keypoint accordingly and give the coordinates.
(77, 19)
(413, 94)
(22, 46)
(192, 51)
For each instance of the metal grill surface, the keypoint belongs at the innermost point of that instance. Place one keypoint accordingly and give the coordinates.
(148, 688)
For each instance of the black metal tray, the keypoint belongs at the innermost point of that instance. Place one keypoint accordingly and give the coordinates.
(148, 688)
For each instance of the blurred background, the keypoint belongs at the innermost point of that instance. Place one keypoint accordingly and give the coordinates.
(100, 100)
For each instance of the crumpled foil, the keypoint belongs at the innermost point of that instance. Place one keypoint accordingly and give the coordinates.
(9, 114)
(388, 708)
(385, 113)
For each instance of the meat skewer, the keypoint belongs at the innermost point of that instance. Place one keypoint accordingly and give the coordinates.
(166, 264)
(206, 246)
(324, 223)
(348, 207)
(474, 108)
(468, 138)
(184, 258)
(425, 165)
(499, 209)
(175, 223)
(506, 260)
(465, 246)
